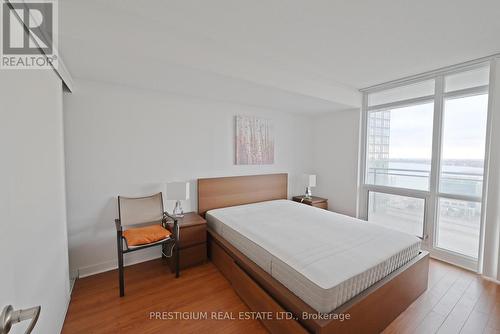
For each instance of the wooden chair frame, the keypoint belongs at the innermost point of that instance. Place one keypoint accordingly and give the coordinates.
(171, 243)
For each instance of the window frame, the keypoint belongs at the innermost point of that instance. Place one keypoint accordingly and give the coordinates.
(432, 196)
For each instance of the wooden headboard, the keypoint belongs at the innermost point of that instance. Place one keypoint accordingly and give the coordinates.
(221, 192)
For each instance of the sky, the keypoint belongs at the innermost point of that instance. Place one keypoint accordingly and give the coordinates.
(464, 130)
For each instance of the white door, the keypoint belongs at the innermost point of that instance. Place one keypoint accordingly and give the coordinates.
(33, 237)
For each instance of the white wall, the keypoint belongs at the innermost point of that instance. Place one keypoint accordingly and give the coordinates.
(336, 147)
(33, 237)
(127, 141)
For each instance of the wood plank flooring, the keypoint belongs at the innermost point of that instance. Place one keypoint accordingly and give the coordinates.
(457, 301)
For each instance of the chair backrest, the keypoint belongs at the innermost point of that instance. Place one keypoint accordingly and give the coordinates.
(140, 210)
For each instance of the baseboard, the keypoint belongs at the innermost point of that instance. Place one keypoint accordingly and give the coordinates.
(491, 279)
(440, 258)
(468, 265)
(72, 282)
(73, 274)
(113, 264)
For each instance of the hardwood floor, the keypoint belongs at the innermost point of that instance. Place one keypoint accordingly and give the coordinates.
(457, 301)
(150, 287)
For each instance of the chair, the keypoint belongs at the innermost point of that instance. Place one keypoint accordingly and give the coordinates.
(138, 214)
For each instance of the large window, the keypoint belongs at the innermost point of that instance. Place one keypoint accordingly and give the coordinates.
(462, 154)
(399, 148)
(424, 160)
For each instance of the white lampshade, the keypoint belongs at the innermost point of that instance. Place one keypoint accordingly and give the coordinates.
(178, 191)
(311, 180)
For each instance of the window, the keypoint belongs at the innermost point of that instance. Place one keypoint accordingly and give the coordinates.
(464, 139)
(402, 93)
(467, 79)
(423, 178)
(400, 148)
(458, 226)
(405, 214)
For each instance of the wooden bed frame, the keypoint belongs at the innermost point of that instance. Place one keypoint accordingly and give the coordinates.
(369, 312)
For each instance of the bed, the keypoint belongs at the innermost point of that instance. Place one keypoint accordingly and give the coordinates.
(285, 258)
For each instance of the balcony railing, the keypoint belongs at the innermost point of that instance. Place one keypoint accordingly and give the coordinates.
(469, 183)
(465, 176)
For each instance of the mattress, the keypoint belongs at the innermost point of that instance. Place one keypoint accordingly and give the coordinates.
(323, 257)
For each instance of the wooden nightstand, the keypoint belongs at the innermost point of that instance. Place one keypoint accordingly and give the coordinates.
(192, 241)
(317, 202)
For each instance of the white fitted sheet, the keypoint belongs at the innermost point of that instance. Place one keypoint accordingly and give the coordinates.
(323, 257)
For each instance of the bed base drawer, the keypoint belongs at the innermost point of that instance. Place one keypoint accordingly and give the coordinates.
(222, 261)
(257, 299)
(370, 311)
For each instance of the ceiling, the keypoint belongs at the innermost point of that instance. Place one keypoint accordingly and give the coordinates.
(299, 56)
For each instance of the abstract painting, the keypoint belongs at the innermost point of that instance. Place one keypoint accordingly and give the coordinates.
(254, 141)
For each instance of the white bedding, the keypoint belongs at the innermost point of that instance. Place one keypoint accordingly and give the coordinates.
(323, 257)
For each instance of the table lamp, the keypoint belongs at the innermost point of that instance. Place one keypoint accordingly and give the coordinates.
(311, 182)
(178, 191)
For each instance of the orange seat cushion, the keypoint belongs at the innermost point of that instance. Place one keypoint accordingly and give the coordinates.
(145, 235)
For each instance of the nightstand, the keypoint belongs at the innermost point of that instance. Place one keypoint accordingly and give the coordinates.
(192, 241)
(317, 202)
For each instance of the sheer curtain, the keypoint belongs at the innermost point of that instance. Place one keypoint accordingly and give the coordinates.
(491, 250)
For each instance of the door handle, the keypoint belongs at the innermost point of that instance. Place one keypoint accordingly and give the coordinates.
(10, 317)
